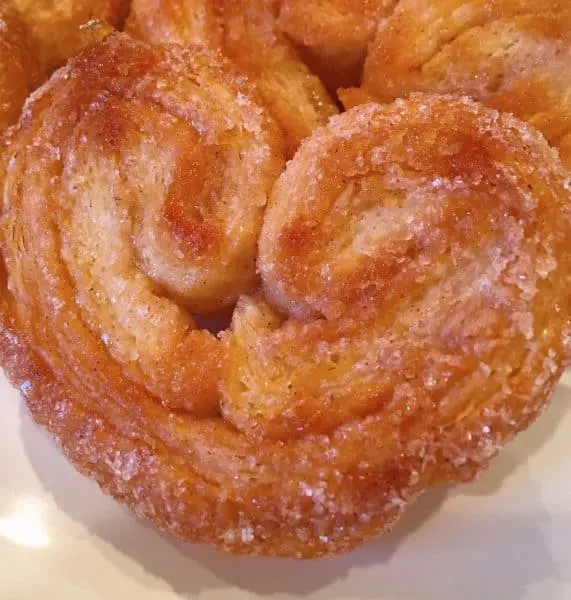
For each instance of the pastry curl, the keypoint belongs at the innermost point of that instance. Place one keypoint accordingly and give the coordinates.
(246, 32)
(417, 253)
(54, 25)
(17, 66)
(514, 55)
(332, 35)
(134, 193)
(410, 248)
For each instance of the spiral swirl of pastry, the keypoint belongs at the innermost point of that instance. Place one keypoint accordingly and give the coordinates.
(54, 25)
(135, 191)
(407, 247)
(246, 32)
(514, 55)
(332, 35)
(17, 66)
(417, 253)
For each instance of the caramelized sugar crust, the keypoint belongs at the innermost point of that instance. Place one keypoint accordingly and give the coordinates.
(514, 55)
(246, 32)
(415, 266)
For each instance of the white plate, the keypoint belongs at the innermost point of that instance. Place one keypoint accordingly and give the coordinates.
(507, 537)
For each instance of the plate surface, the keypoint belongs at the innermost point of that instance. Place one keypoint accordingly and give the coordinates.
(506, 537)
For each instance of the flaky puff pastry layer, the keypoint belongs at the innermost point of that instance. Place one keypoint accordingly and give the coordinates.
(246, 32)
(514, 55)
(413, 248)
(18, 70)
(54, 25)
(418, 253)
(134, 191)
(332, 35)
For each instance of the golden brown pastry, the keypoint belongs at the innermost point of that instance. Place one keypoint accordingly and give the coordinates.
(514, 55)
(332, 35)
(140, 175)
(246, 32)
(18, 71)
(54, 25)
(418, 254)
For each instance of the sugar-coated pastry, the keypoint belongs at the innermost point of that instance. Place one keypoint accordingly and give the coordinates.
(332, 35)
(246, 32)
(18, 71)
(411, 320)
(134, 191)
(54, 25)
(514, 55)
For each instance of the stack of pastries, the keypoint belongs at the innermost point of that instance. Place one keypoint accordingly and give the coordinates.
(375, 192)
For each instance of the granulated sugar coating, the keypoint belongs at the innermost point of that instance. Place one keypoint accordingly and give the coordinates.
(513, 55)
(245, 31)
(412, 314)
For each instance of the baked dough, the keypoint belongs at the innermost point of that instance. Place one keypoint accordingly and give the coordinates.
(514, 55)
(246, 32)
(332, 35)
(54, 25)
(18, 71)
(415, 266)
